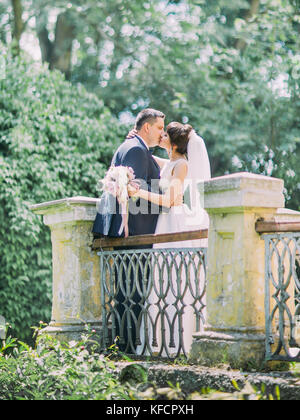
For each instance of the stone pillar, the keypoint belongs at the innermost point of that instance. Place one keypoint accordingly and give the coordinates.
(235, 327)
(76, 268)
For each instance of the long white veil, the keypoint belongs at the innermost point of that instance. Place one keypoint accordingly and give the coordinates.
(199, 165)
(199, 170)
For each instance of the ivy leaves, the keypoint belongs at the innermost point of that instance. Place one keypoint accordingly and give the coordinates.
(56, 140)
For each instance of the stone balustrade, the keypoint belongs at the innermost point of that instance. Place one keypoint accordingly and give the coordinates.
(76, 269)
(235, 326)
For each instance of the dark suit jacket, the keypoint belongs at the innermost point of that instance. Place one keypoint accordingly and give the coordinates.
(142, 214)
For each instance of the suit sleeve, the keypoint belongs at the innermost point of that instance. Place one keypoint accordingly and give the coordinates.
(138, 160)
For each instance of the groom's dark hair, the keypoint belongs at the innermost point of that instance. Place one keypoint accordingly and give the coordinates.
(147, 115)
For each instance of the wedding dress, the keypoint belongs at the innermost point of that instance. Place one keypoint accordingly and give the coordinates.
(170, 306)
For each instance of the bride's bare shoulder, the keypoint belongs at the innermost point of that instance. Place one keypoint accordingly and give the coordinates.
(160, 161)
(180, 168)
(181, 163)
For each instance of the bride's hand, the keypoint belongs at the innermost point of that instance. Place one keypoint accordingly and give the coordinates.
(133, 189)
(131, 134)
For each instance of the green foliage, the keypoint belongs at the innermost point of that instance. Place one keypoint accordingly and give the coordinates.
(233, 76)
(76, 371)
(56, 141)
(231, 69)
(5, 7)
(55, 371)
(236, 80)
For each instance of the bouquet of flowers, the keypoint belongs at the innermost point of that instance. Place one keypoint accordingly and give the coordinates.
(116, 182)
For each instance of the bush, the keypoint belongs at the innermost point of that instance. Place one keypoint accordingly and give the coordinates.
(55, 371)
(76, 371)
(56, 141)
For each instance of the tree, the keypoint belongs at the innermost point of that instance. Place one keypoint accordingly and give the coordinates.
(18, 23)
(57, 53)
(117, 25)
(229, 68)
(56, 140)
(235, 80)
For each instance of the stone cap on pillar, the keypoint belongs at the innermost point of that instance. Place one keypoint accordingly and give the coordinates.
(241, 191)
(67, 210)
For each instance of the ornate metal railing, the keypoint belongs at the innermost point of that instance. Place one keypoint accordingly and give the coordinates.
(282, 290)
(153, 300)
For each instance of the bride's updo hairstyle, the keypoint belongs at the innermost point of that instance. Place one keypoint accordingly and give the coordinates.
(179, 135)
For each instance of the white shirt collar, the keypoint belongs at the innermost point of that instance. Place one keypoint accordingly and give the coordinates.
(143, 141)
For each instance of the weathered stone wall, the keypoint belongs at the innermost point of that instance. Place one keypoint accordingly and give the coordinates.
(235, 327)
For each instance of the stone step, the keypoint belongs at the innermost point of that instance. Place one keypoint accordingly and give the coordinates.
(192, 379)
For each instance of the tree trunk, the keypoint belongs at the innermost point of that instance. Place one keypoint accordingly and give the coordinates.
(46, 45)
(62, 50)
(18, 25)
(253, 10)
(58, 53)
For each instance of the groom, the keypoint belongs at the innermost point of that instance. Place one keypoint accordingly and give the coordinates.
(135, 153)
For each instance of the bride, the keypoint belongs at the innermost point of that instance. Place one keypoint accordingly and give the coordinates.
(169, 309)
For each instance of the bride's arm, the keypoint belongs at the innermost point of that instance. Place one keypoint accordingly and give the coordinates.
(160, 161)
(173, 195)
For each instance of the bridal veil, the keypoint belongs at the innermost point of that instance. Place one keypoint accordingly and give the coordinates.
(199, 170)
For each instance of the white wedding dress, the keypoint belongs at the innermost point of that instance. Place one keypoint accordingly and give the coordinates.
(171, 318)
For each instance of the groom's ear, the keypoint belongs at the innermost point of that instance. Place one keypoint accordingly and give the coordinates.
(146, 127)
